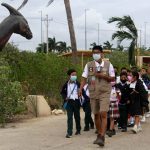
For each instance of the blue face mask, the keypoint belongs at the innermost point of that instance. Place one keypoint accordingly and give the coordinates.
(96, 57)
(73, 78)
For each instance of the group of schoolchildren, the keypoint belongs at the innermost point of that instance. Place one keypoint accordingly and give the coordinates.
(128, 102)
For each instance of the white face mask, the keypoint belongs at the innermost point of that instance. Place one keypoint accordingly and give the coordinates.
(96, 57)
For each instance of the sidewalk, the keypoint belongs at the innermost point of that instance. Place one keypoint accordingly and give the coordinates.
(49, 134)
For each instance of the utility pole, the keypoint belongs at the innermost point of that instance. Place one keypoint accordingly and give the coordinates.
(140, 38)
(41, 28)
(47, 34)
(41, 31)
(145, 34)
(85, 32)
(98, 34)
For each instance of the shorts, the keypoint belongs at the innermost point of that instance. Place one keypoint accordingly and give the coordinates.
(99, 105)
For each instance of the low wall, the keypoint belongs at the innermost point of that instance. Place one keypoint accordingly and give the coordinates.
(38, 106)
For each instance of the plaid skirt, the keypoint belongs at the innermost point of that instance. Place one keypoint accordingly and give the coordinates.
(114, 110)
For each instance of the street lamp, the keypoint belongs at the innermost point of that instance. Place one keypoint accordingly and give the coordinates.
(98, 34)
(85, 31)
(41, 26)
(49, 3)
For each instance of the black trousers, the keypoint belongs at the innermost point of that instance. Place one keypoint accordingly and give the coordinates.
(123, 110)
(88, 118)
(73, 108)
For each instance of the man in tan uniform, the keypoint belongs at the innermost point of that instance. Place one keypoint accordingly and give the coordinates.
(99, 74)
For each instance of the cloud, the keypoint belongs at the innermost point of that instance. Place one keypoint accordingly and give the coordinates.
(99, 11)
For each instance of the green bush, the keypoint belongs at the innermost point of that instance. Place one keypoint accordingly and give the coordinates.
(11, 96)
(119, 59)
(44, 74)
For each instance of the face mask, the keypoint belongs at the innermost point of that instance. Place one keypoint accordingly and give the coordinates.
(113, 83)
(123, 81)
(96, 57)
(129, 78)
(73, 78)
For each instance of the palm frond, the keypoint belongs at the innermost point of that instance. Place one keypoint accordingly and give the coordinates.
(122, 35)
(23, 4)
(49, 3)
(128, 23)
(114, 19)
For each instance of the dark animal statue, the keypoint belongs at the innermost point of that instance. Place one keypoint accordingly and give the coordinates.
(14, 23)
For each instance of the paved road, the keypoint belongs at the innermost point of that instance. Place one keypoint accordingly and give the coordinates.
(49, 134)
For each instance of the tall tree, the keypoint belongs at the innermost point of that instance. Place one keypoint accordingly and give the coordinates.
(107, 45)
(71, 28)
(54, 46)
(62, 47)
(127, 31)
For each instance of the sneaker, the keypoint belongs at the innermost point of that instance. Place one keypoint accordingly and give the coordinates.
(113, 132)
(139, 128)
(143, 119)
(92, 127)
(124, 130)
(135, 129)
(86, 129)
(147, 115)
(68, 136)
(130, 125)
(77, 133)
(109, 133)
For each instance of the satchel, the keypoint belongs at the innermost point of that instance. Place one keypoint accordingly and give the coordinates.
(65, 105)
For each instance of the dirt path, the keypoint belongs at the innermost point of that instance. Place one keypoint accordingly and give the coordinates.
(49, 134)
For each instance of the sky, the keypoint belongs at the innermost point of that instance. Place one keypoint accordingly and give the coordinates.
(97, 13)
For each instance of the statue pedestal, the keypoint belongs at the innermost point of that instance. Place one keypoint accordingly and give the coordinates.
(38, 106)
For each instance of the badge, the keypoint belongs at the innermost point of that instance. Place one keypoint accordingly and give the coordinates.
(90, 69)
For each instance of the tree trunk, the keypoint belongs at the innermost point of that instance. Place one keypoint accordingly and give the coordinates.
(71, 30)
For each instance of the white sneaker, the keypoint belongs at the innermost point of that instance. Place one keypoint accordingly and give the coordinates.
(143, 119)
(147, 115)
(134, 129)
(139, 129)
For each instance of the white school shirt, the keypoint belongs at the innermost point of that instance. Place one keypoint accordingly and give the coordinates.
(74, 94)
(99, 66)
(133, 84)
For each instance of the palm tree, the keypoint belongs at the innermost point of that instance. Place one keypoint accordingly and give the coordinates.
(93, 44)
(71, 28)
(107, 45)
(52, 44)
(62, 47)
(127, 31)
